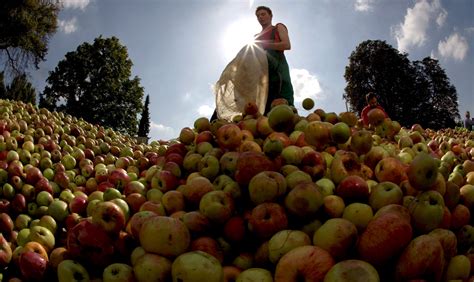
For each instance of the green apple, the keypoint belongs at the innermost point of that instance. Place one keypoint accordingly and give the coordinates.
(49, 222)
(111, 193)
(196, 266)
(209, 167)
(43, 236)
(422, 171)
(280, 118)
(164, 236)
(459, 268)
(272, 147)
(337, 236)
(361, 142)
(266, 186)
(352, 270)
(44, 198)
(427, 211)
(340, 133)
(72, 271)
(136, 254)
(218, 206)
(304, 200)
(255, 274)
(58, 209)
(359, 214)
(22, 221)
(385, 193)
(296, 177)
(326, 186)
(118, 272)
(23, 237)
(284, 241)
(292, 154)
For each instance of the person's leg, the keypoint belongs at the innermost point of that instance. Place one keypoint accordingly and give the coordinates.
(214, 115)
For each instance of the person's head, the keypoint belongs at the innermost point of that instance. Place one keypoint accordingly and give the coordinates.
(371, 99)
(468, 114)
(264, 15)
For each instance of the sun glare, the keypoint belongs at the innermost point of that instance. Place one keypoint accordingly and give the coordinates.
(237, 35)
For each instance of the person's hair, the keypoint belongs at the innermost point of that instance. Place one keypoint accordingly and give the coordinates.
(468, 114)
(369, 96)
(264, 8)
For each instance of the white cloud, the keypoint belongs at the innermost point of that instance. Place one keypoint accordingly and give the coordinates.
(305, 85)
(363, 5)
(75, 4)
(205, 110)
(441, 19)
(413, 31)
(455, 46)
(470, 30)
(161, 132)
(68, 26)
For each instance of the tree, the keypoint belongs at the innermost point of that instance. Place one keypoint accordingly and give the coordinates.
(3, 90)
(144, 126)
(377, 67)
(21, 89)
(439, 109)
(25, 29)
(94, 83)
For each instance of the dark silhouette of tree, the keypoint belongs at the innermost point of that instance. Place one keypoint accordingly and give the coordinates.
(418, 92)
(20, 89)
(3, 90)
(439, 109)
(94, 83)
(25, 29)
(144, 125)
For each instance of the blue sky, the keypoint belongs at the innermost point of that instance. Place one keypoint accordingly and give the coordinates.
(179, 48)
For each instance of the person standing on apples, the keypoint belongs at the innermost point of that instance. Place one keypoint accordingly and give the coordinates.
(468, 122)
(274, 40)
(371, 104)
(271, 42)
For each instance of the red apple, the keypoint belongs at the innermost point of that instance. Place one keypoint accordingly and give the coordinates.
(266, 219)
(109, 216)
(353, 188)
(32, 265)
(309, 263)
(422, 258)
(384, 237)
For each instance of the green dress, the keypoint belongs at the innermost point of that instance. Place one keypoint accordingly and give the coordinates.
(279, 81)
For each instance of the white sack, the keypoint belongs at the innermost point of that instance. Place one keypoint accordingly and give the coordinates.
(243, 80)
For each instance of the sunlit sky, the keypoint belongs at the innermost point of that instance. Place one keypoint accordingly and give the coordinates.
(180, 47)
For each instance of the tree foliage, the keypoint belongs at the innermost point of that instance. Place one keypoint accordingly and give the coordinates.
(20, 89)
(439, 108)
(3, 89)
(25, 29)
(410, 93)
(94, 83)
(144, 125)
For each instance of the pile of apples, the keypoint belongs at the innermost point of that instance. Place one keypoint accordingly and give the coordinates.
(276, 197)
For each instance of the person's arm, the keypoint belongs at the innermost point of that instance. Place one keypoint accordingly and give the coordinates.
(284, 43)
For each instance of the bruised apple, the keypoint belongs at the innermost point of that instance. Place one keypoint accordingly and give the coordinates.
(164, 236)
